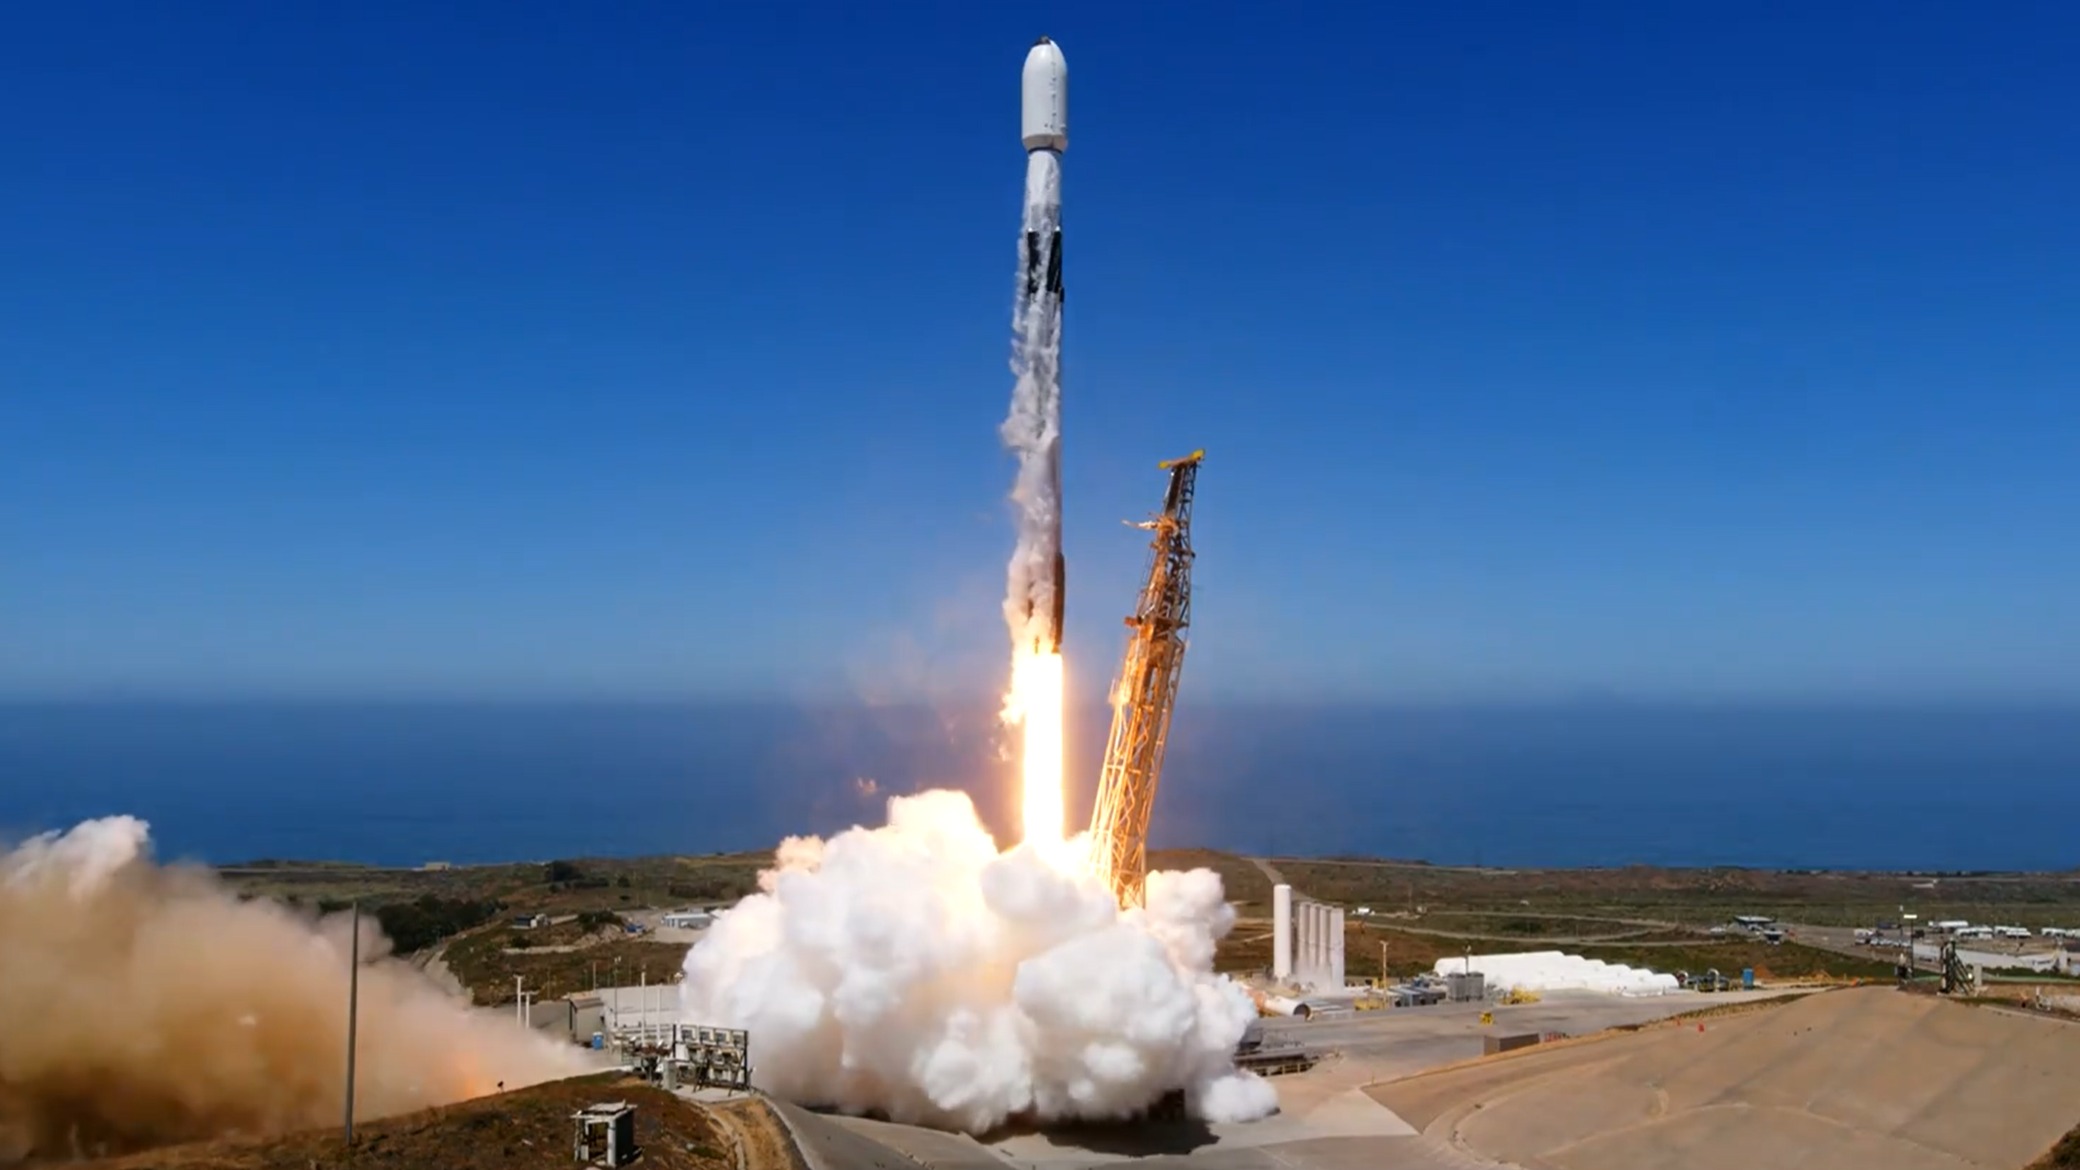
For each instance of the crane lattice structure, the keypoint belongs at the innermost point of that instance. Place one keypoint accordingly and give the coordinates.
(1146, 692)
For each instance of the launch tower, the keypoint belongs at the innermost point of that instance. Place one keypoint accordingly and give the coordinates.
(1146, 692)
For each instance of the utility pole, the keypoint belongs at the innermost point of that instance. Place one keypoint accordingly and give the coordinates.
(353, 1011)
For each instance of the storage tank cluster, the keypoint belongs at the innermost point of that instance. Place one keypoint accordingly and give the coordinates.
(1306, 942)
(1555, 971)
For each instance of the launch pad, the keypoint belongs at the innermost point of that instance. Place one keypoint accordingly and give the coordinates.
(1330, 1115)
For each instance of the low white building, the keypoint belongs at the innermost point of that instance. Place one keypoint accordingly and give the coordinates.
(689, 919)
(652, 1005)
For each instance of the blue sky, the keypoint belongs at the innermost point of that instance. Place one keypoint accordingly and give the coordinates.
(528, 349)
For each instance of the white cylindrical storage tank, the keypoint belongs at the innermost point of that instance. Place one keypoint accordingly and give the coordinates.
(1336, 947)
(1303, 955)
(1318, 962)
(1311, 968)
(1300, 937)
(1281, 931)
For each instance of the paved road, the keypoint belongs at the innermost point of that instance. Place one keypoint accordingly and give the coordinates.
(1841, 940)
(1541, 942)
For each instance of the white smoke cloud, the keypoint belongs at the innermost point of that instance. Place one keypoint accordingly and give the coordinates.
(912, 970)
(142, 1005)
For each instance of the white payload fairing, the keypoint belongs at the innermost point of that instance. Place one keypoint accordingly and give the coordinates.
(1044, 90)
(1039, 585)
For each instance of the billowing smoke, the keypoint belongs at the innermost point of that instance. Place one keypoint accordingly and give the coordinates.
(914, 971)
(142, 1005)
(1033, 430)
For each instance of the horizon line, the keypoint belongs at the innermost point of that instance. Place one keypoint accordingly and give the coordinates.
(1543, 702)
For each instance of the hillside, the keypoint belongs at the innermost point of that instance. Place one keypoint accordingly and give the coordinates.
(529, 1129)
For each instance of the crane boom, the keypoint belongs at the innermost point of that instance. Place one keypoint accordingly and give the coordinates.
(1146, 692)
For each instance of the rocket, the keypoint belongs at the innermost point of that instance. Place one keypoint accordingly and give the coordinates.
(1044, 131)
(1044, 125)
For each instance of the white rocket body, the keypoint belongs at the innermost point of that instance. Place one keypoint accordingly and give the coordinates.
(1038, 575)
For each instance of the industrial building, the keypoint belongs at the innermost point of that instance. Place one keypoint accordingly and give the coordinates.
(606, 1011)
(642, 1006)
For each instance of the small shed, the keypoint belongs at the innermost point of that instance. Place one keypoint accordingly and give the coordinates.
(606, 1134)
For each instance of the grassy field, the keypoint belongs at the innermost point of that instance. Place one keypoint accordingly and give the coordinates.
(1692, 897)
(524, 1129)
(567, 886)
(1730, 957)
(1639, 916)
(466, 912)
(485, 962)
(1531, 928)
(1406, 954)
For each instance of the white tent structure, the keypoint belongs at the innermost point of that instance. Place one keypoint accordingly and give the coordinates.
(1555, 971)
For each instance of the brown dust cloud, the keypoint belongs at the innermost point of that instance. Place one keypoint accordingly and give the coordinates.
(143, 1005)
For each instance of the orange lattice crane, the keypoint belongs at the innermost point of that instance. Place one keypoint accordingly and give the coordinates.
(1146, 692)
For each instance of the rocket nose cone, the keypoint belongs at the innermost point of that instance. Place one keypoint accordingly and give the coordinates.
(1044, 90)
(1046, 55)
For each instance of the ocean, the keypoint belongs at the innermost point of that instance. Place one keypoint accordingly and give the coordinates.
(1935, 789)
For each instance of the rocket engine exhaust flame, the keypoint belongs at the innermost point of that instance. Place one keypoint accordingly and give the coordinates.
(1035, 705)
(143, 1005)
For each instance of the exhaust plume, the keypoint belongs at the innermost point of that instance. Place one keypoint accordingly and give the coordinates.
(143, 1005)
(914, 971)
